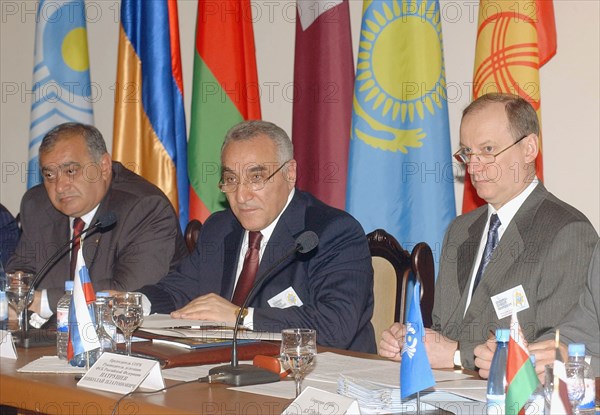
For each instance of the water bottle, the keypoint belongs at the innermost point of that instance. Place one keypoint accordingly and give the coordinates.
(62, 321)
(104, 327)
(536, 402)
(496, 386)
(577, 357)
(3, 311)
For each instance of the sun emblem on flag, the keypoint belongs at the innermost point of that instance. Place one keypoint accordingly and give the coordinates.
(400, 73)
(409, 348)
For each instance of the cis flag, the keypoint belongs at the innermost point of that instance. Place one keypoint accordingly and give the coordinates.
(323, 83)
(61, 74)
(415, 370)
(149, 131)
(520, 373)
(400, 174)
(225, 92)
(514, 40)
(82, 328)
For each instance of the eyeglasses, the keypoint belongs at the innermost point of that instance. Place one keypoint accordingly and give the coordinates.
(229, 182)
(464, 156)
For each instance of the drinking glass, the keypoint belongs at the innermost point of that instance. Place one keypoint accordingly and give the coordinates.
(17, 288)
(127, 314)
(298, 350)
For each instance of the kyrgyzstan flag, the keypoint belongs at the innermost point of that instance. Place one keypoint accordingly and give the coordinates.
(225, 92)
(514, 40)
(323, 86)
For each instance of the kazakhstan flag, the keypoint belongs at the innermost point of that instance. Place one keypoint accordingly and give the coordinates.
(400, 174)
(61, 74)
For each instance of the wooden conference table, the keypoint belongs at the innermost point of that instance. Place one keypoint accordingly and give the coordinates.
(59, 394)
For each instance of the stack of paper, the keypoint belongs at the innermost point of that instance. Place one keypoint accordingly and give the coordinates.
(375, 398)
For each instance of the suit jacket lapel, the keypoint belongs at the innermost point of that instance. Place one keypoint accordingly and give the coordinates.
(232, 246)
(467, 252)
(58, 229)
(283, 239)
(512, 245)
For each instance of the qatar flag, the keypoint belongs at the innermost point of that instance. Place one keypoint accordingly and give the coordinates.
(323, 88)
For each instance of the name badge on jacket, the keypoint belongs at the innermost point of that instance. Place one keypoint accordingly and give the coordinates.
(286, 298)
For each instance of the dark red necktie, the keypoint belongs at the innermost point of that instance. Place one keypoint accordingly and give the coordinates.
(78, 225)
(249, 269)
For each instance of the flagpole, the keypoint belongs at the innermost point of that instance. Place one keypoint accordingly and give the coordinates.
(418, 403)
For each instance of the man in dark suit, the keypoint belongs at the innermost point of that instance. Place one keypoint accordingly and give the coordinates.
(81, 181)
(525, 245)
(329, 289)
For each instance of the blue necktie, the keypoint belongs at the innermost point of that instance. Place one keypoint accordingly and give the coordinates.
(490, 245)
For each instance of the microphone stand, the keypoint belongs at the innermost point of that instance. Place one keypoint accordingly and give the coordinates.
(41, 336)
(242, 375)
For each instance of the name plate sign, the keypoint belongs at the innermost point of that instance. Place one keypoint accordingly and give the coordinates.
(123, 374)
(7, 346)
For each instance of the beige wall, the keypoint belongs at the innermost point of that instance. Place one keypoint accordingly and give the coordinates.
(570, 83)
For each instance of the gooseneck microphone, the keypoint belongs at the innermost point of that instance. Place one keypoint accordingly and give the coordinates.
(104, 221)
(241, 375)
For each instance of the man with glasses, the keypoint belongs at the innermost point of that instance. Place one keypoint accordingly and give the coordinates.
(524, 249)
(329, 289)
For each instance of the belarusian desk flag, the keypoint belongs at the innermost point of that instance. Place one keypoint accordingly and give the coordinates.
(514, 40)
(225, 92)
(323, 86)
(520, 373)
(62, 91)
(149, 129)
(415, 370)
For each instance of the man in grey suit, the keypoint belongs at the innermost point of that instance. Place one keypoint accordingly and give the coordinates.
(582, 325)
(81, 181)
(525, 246)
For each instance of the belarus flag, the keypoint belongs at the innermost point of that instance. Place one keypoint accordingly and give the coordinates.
(520, 373)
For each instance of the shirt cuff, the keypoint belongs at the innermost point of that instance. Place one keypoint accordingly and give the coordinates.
(249, 319)
(457, 361)
(45, 311)
(146, 305)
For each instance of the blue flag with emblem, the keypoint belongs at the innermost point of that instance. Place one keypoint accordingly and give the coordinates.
(415, 370)
(62, 91)
(400, 174)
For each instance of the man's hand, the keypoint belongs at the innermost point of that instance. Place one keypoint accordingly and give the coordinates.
(483, 357)
(208, 307)
(391, 342)
(440, 350)
(545, 354)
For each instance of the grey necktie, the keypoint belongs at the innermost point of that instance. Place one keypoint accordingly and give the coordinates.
(490, 245)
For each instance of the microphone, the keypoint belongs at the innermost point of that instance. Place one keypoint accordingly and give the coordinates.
(105, 220)
(242, 375)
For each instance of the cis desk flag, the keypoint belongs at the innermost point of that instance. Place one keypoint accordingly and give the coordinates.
(61, 74)
(225, 92)
(400, 174)
(82, 327)
(415, 370)
(149, 129)
(514, 40)
(520, 373)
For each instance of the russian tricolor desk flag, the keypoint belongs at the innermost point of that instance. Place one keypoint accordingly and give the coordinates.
(82, 328)
(415, 370)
